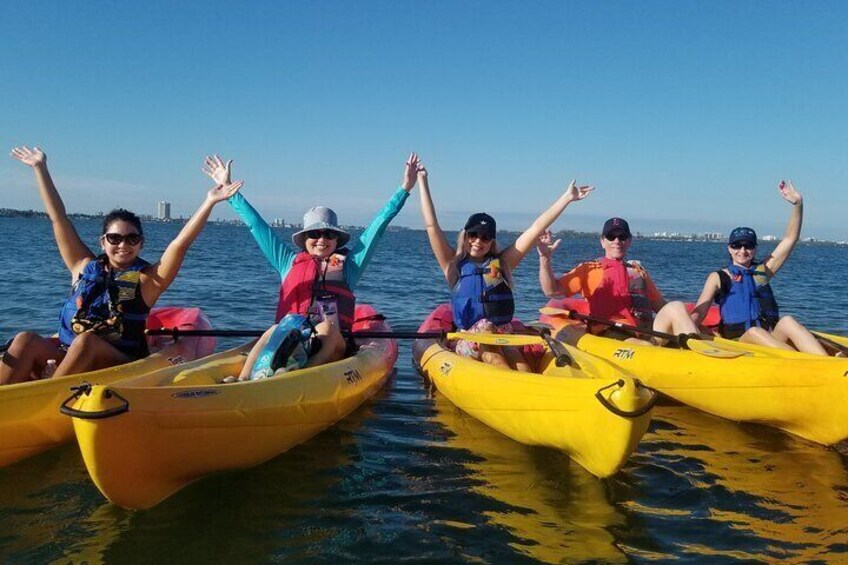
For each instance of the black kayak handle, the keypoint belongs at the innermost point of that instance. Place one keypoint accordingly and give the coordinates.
(85, 388)
(625, 413)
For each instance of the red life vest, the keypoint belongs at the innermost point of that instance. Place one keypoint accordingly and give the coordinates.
(622, 293)
(311, 277)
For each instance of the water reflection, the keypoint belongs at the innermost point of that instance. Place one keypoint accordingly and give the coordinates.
(557, 511)
(735, 491)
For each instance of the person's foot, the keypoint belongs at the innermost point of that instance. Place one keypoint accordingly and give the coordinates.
(230, 379)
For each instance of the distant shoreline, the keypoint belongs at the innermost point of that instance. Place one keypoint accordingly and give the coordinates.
(564, 234)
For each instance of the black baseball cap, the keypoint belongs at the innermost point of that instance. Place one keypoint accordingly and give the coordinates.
(481, 223)
(616, 226)
(742, 234)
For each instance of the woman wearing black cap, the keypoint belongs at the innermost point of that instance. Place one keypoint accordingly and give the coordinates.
(748, 308)
(478, 273)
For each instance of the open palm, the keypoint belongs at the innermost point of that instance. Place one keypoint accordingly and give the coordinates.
(788, 192)
(32, 157)
(223, 191)
(215, 169)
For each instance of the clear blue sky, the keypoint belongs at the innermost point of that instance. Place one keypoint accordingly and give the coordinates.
(683, 114)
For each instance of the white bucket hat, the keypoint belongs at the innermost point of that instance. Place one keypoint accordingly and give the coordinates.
(320, 218)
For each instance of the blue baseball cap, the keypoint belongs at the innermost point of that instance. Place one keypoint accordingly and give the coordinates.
(742, 234)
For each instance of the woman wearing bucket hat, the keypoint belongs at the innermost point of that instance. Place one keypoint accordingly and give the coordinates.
(321, 270)
(748, 309)
(479, 273)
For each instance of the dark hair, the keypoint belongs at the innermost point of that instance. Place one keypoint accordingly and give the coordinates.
(119, 214)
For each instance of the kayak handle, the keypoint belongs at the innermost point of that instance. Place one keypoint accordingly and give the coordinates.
(85, 388)
(625, 413)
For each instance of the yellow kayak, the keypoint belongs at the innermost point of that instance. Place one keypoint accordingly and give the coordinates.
(30, 421)
(800, 393)
(591, 410)
(143, 439)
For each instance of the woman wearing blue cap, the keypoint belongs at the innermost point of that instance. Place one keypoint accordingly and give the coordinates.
(319, 273)
(748, 309)
(479, 274)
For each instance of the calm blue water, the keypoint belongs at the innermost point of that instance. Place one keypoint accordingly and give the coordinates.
(409, 476)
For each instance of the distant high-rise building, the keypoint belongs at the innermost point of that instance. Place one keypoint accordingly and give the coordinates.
(164, 210)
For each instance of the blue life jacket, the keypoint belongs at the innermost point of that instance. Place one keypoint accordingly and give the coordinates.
(287, 348)
(108, 303)
(745, 300)
(481, 292)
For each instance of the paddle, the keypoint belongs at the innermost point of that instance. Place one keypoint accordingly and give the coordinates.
(829, 342)
(485, 339)
(561, 354)
(682, 341)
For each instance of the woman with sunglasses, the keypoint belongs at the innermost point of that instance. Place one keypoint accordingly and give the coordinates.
(479, 273)
(748, 309)
(320, 272)
(102, 323)
(615, 288)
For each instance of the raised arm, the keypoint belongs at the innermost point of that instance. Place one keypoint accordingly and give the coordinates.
(362, 251)
(793, 229)
(547, 278)
(159, 276)
(275, 250)
(708, 294)
(443, 250)
(513, 254)
(74, 252)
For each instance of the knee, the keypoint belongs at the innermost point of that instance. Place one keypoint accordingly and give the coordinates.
(757, 333)
(787, 321)
(338, 344)
(23, 342)
(331, 339)
(676, 307)
(84, 342)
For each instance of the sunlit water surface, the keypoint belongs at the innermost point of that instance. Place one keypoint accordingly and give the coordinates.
(409, 476)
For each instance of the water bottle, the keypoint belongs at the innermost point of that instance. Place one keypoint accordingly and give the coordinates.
(49, 369)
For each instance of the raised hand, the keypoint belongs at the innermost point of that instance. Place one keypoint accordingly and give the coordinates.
(214, 168)
(545, 244)
(34, 157)
(574, 192)
(410, 171)
(788, 192)
(223, 191)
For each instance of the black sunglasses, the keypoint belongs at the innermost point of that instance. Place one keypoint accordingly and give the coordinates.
(117, 238)
(619, 237)
(318, 234)
(743, 244)
(484, 237)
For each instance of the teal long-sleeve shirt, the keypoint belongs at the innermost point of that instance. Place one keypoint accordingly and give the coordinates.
(281, 255)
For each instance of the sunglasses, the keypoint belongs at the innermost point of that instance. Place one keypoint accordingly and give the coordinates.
(318, 234)
(619, 237)
(743, 245)
(117, 238)
(484, 237)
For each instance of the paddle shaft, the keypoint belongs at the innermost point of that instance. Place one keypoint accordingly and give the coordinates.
(834, 344)
(502, 340)
(679, 340)
(256, 333)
